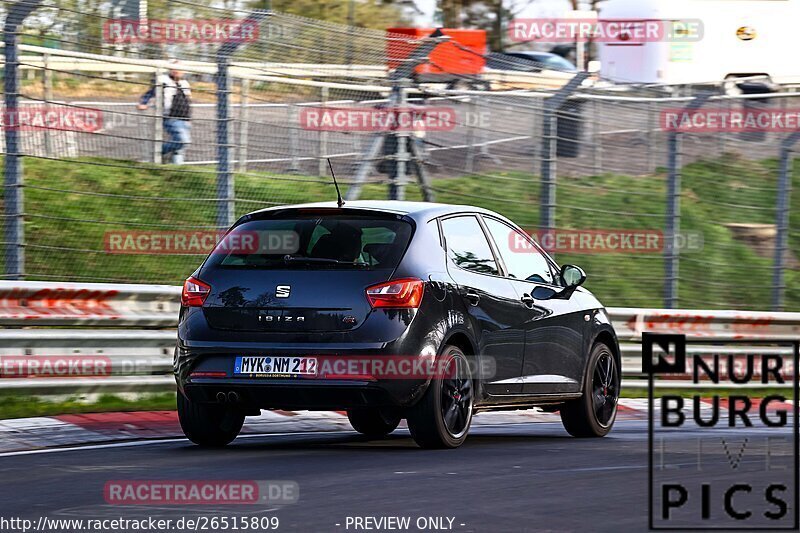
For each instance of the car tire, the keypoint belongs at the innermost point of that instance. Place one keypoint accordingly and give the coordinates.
(442, 417)
(207, 425)
(374, 423)
(593, 414)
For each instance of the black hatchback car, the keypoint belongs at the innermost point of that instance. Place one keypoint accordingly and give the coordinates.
(390, 310)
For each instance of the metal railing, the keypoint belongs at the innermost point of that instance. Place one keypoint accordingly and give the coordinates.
(139, 357)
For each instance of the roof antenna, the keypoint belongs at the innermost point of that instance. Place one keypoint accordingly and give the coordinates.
(339, 200)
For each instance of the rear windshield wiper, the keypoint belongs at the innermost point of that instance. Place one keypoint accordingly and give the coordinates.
(322, 260)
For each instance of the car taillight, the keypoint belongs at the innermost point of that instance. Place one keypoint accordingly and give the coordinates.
(194, 292)
(398, 293)
(208, 375)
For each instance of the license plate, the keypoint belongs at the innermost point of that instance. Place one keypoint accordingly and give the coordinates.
(275, 366)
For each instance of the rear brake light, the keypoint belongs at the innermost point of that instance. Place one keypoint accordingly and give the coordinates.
(398, 293)
(208, 375)
(351, 377)
(194, 292)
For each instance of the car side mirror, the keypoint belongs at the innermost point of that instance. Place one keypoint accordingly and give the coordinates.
(572, 276)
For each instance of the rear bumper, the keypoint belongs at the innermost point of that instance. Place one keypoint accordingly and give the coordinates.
(298, 394)
(201, 376)
(205, 357)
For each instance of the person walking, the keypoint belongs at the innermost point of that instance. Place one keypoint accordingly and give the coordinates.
(177, 112)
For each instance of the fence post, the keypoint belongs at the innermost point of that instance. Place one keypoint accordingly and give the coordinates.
(547, 193)
(294, 139)
(14, 209)
(782, 220)
(721, 136)
(471, 117)
(597, 146)
(650, 136)
(398, 181)
(323, 138)
(158, 119)
(673, 220)
(483, 139)
(548, 186)
(225, 185)
(673, 212)
(244, 125)
(226, 208)
(47, 81)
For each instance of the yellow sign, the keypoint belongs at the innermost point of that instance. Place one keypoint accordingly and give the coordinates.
(746, 33)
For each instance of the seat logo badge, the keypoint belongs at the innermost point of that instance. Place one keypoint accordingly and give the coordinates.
(283, 291)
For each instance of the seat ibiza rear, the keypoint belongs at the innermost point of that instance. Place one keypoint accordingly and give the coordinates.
(389, 311)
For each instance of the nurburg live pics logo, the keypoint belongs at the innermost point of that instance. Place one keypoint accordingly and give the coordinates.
(725, 460)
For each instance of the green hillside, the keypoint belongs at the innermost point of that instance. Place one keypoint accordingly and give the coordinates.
(71, 204)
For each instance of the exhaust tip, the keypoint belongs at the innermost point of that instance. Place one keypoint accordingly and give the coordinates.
(221, 398)
(233, 397)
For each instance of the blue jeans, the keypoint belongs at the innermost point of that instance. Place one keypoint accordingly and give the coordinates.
(179, 135)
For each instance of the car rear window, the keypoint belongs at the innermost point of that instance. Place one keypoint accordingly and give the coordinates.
(314, 242)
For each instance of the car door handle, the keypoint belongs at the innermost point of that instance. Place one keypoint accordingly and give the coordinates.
(473, 297)
(528, 300)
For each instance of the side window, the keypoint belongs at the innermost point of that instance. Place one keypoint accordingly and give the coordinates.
(523, 260)
(467, 245)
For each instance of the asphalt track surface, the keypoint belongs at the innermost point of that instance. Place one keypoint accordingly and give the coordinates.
(521, 477)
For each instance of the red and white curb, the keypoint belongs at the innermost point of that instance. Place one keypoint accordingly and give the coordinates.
(70, 430)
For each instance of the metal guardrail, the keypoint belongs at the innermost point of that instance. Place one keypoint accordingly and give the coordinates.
(90, 319)
(716, 325)
(40, 303)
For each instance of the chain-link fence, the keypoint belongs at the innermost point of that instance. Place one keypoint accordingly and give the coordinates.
(657, 215)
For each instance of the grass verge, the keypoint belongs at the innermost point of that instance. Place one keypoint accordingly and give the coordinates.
(30, 406)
